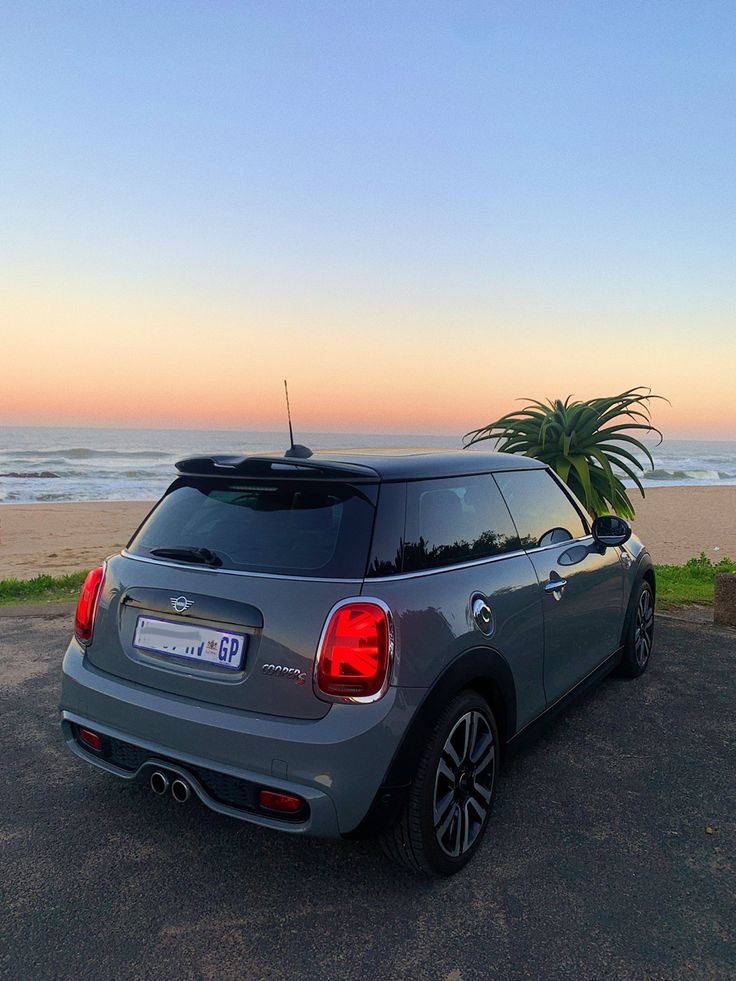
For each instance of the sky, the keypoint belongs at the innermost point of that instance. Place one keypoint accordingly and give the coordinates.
(417, 212)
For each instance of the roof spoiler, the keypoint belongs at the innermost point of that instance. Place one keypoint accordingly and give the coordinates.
(266, 466)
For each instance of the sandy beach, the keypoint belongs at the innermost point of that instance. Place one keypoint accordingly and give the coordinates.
(675, 522)
(60, 538)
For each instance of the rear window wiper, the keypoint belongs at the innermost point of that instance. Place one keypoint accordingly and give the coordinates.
(189, 554)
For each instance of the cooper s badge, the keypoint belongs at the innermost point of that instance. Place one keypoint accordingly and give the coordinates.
(280, 671)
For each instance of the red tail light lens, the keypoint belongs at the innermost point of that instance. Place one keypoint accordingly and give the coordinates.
(353, 660)
(274, 801)
(87, 605)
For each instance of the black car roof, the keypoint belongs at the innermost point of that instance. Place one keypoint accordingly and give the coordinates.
(370, 466)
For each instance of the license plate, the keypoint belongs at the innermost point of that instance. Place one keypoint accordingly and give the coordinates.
(190, 641)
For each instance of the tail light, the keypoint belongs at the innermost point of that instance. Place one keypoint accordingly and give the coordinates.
(87, 605)
(355, 653)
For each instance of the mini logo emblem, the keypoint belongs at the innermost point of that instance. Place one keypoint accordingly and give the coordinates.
(181, 604)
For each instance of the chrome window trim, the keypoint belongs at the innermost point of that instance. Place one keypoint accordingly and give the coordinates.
(446, 568)
(570, 541)
(478, 562)
(357, 699)
(194, 567)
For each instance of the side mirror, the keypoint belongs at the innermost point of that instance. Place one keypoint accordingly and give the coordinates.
(609, 530)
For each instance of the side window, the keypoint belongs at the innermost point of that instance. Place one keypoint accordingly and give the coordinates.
(542, 512)
(388, 532)
(455, 520)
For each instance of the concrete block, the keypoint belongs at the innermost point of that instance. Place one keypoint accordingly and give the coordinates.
(724, 612)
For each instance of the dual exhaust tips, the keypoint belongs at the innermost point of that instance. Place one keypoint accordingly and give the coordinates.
(160, 784)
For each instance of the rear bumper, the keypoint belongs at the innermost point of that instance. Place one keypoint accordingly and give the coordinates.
(337, 763)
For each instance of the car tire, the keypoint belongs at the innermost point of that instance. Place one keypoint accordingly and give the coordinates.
(640, 633)
(451, 797)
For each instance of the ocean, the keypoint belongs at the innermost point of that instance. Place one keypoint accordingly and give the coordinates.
(43, 465)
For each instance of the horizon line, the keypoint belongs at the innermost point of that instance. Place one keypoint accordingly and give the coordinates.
(313, 432)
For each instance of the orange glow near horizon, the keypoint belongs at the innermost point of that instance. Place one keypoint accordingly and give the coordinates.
(417, 219)
(100, 360)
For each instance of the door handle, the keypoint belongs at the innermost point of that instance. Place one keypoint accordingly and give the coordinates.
(555, 586)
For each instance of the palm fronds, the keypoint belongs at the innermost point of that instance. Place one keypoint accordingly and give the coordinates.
(583, 441)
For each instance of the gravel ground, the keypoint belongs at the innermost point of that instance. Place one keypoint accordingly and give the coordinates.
(611, 852)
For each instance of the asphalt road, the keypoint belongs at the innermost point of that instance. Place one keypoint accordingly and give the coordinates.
(599, 862)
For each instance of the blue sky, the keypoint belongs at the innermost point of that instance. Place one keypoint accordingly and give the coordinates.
(453, 169)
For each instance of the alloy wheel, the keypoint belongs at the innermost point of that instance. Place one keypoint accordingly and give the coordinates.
(463, 785)
(644, 630)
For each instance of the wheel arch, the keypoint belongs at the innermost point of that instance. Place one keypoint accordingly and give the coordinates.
(644, 572)
(481, 669)
(652, 580)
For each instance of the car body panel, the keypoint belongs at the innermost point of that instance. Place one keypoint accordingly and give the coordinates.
(582, 621)
(434, 622)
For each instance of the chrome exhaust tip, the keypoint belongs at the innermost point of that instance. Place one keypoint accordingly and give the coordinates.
(180, 791)
(159, 782)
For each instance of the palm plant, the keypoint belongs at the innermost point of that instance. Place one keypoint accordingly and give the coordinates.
(582, 441)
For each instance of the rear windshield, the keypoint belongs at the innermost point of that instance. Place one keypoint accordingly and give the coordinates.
(283, 527)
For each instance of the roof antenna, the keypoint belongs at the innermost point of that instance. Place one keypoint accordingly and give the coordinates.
(296, 449)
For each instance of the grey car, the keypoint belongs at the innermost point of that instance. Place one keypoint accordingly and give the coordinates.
(349, 645)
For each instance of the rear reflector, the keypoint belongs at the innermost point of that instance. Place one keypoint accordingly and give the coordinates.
(87, 606)
(354, 656)
(274, 801)
(90, 739)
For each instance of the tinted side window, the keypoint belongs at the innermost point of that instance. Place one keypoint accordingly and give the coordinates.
(388, 532)
(455, 520)
(542, 512)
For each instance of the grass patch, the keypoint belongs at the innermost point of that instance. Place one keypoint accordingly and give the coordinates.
(41, 589)
(693, 582)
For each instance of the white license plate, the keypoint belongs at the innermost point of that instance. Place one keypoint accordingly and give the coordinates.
(190, 641)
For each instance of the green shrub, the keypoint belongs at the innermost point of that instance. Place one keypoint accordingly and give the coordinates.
(41, 589)
(693, 582)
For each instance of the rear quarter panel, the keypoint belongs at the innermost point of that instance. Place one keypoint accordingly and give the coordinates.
(434, 624)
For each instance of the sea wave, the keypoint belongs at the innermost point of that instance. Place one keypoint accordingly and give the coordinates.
(85, 453)
(664, 474)
(86, 475)
(48, 465)
(30, 475)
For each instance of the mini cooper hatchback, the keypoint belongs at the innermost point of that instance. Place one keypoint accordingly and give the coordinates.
(349, 645)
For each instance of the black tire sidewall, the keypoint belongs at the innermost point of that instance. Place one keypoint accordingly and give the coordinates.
(630, 665)
(422, 798)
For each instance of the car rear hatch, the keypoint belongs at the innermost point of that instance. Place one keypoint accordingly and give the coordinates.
(223, 592)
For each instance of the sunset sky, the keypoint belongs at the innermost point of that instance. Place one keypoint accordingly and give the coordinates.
(415, 211)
